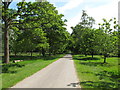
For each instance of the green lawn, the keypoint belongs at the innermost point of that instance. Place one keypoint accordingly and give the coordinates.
(15, 72)
(93, 73)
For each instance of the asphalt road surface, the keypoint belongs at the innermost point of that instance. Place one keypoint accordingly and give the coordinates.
(59, 74)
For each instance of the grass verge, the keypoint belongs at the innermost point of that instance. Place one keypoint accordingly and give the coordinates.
(14, 72)
(93, 73)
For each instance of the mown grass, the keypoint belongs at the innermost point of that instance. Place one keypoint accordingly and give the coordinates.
(14, 72)
(93, 73)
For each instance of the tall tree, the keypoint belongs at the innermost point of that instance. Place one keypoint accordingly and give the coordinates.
(29, 23)
(7, 19)
(46, 20)
(83, 34)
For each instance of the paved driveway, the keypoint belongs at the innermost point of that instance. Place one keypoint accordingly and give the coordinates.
(59, 74)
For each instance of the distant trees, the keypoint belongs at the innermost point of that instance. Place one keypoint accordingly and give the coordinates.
(88, 40)
(83, 35)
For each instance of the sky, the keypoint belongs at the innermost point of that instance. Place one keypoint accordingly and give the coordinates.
(72, 10)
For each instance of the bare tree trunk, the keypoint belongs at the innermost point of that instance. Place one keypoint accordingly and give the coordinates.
(15, 53)
(6, 45)
(6, 32)
(104, 59)
(43, 52)
(92, 55)
(31, 53)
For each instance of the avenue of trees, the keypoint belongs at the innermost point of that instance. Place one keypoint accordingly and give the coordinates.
(91, 41)
(33, 27)
(38, 27)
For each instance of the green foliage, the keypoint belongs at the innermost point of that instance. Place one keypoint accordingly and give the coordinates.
(38, 27)
(83, 34)
(109, 38)
(95, 41)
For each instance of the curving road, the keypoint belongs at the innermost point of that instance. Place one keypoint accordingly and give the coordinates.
(59, 74)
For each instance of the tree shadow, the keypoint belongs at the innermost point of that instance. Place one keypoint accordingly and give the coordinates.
(86, 58)
(91, 63)
(113, 77)
(46, 58)
(87, 72)
(96, 64)
(100, 84)
(6, 67)
(50, 57)
(20, 57)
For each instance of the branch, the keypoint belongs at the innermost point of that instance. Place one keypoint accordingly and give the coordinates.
(28, 28)
(18, 11)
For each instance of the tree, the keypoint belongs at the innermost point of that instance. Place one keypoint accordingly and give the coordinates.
(7, 18)
(83, 35)
(41, 26)
(108, 41)
(32, 36)
(53, 25)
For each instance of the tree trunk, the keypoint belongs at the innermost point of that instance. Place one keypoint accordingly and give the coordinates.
(43, 52)
(31, 53)
(50, 52)
(6, 32)
(15, 54)
(6, 44)
(104, 59)
(39, 53)
(92, 55)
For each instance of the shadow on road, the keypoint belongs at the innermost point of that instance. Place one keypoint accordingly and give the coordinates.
(74, 84)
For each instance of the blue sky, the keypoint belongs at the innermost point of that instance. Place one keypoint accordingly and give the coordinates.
(72, 9)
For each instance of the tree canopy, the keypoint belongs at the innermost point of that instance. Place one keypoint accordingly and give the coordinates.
(89, 40)
(33, 26)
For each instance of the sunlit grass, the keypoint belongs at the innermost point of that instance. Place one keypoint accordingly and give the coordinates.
(93, 73)
(15, 72)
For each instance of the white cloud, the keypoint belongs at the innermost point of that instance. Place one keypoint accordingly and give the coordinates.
(70, 5)
(105, 11)
(73, 21)
(94, 1)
